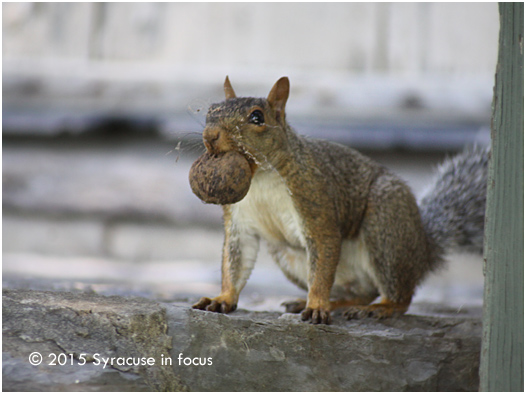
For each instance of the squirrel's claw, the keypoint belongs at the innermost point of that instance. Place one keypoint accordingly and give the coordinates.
(213, 305)
(222, 307)
(202, 303)
(316, 316)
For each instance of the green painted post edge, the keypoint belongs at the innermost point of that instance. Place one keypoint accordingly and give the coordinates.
(502, 353)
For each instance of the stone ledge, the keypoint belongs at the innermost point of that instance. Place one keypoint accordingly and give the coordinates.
(250, 351)
(89, 324)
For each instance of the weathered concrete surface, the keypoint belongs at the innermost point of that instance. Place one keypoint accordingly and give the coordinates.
(85, 325)
(248, 351)
(266, 353)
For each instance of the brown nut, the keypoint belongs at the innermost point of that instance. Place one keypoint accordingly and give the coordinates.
(220, 179)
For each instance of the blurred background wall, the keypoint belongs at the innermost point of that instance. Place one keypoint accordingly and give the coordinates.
(349, 63)
(98, 96)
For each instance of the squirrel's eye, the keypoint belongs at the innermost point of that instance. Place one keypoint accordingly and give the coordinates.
(257, 117)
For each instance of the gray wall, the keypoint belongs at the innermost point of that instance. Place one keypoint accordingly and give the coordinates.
(344, 59)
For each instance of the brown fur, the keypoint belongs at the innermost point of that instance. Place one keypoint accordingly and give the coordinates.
(340, 196)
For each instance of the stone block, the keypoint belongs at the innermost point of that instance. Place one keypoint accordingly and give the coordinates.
(243, 351)
(85, 328)
(266, 352)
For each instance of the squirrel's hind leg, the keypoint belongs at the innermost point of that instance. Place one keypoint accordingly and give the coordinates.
(397, 245)
(385, 308)
(295, 306)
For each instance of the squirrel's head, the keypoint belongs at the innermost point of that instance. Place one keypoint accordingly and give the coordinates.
(255, 127)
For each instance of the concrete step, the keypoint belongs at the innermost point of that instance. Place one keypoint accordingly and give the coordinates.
(243, 351)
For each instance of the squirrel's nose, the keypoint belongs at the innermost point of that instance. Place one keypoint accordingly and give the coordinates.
(210, 137)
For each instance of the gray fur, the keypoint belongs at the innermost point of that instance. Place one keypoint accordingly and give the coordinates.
(453, 208)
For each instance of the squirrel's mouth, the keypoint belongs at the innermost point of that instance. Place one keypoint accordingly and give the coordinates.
(251, 162)
(217, 142)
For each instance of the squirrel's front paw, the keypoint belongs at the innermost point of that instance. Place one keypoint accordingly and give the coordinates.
(316, 316)
(214, 305)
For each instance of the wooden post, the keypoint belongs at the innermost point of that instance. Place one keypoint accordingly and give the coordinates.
(502, 356)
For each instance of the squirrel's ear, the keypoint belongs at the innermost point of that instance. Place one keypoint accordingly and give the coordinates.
(278, 96)
(229, 91)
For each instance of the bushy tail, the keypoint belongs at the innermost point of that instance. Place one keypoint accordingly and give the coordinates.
(453, 207)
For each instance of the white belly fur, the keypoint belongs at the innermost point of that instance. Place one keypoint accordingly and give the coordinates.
(269, 212)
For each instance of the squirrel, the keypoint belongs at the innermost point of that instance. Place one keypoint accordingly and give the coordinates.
(339, 225)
